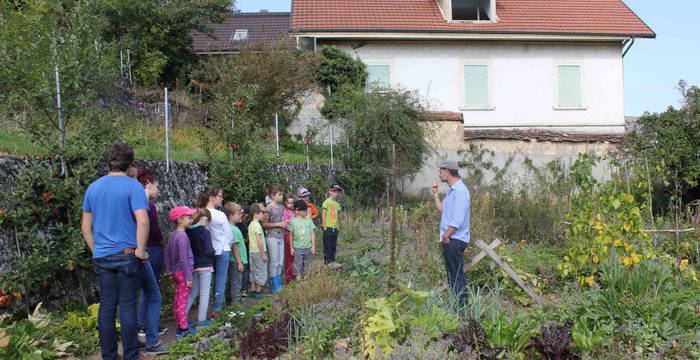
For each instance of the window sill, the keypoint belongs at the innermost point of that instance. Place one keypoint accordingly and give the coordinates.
(569, 107)
(489, 108)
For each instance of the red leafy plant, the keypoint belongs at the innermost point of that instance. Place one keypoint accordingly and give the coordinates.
(266, 342)
(555, 342)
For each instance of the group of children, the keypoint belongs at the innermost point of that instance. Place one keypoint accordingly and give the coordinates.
(208, 243)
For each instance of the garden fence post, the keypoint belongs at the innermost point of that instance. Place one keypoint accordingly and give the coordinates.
(61, 133)
(128, 64)
(167, 135)
(97, 51)
(277, 135)
(121, 62)
(332, 168)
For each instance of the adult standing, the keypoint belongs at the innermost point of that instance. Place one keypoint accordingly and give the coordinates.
(148, 315)
(221, 239)
(115, 227)
(454, 226)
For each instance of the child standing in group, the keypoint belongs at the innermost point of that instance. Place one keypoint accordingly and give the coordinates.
(240, 258)
(243, 227)
(329, 222)
(258, 257)
(179, 263)
(303, 194)
(288, 256)
(274, 225)
(203, 251)
(301, 234)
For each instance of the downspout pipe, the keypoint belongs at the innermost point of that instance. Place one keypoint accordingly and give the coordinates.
(628, 48)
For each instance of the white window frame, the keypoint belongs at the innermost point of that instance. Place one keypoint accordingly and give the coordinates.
(380, 61)
(239, 34)
(576, 62)
(462, 93)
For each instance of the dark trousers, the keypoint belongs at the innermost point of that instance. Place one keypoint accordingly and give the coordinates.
(330, 242)
(119, 277)
(453, 253)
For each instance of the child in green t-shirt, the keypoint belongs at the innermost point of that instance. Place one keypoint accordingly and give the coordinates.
(303, 239)
(329, 222)
(258, 251)
(240, 256)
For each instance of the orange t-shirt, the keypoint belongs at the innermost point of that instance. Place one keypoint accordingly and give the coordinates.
(312, 209)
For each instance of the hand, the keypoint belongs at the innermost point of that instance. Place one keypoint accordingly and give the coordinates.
(324, 228)
(189, 284)
(264, 257)
(141, 254)
(313, 250)
(170, 276)
(240, 267)
(291, 251)
(445, 238)
(286, 222)
(434, 188)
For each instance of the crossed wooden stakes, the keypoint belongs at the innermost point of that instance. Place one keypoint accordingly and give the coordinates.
(488, 250)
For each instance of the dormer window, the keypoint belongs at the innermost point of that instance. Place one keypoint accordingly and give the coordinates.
(468, 10)
(239, 34)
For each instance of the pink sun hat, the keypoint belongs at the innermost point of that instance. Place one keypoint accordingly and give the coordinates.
(179, 211)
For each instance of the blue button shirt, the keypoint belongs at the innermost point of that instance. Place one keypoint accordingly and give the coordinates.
(455, 211)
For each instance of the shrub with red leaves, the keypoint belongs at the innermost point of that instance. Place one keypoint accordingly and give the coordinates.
(267, 343)
(554, 344)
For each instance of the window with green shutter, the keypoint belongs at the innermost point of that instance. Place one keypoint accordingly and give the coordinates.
(476, 85)
(378, 76)
(569, 85)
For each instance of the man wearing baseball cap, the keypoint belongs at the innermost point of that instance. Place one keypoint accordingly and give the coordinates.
(454, 226)
(311, 211)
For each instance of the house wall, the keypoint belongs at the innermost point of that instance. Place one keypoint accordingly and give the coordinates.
(523, 80)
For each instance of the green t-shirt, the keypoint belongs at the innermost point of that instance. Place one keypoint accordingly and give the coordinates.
(331, 208)
(253, 230)
(238, 238)
(302, 229)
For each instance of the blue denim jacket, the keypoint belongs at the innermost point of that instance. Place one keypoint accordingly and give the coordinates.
(455, 211)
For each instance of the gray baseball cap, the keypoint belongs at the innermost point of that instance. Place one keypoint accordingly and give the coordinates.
(449, 165)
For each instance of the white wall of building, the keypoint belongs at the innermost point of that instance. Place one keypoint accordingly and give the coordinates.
(523, 80)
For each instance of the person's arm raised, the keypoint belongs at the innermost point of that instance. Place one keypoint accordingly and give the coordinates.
(436, 196)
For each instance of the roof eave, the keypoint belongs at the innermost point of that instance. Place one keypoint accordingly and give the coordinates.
(340, 33)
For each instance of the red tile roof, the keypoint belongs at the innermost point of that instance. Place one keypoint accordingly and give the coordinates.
(554, 17)
(270, 28)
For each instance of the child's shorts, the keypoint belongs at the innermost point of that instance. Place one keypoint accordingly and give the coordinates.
(302, 261)
(258, 269)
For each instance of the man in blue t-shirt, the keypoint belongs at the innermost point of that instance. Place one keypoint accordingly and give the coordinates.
(115, 227)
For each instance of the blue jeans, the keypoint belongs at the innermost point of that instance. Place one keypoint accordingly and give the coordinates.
(221, 263)
(330, 243)
(246, 278)
(151, 300)
(119, 278)
(150, 297)
(453, 253)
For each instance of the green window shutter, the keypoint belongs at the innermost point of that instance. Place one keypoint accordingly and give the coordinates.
(569, 78)
(379, 76)
(476, 85)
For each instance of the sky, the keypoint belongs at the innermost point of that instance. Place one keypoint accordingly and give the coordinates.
(653, 67)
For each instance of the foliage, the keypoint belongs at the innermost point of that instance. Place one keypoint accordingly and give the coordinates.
(470, 339)
(419, 345)
(388, 320)
(514, 335)
(376, 124)
(316, 326)
(554, 343)
(671, 140)
(43, 36)
(321, 285)
(26, 339)
(589, 335)
(337, 69)
(268, 342)
(602, 218)
(158, 33)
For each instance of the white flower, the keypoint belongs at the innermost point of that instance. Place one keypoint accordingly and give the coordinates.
(232, 314)
(227, 325)
(241, 313)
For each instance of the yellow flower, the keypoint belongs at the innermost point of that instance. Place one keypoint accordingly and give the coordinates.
(589, 280)
(595, 259)
(684, 261)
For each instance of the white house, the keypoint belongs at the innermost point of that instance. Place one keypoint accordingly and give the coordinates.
(518, 71)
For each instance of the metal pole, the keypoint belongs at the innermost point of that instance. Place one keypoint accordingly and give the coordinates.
(233, 127)
(121, 62)
(128, 63)
(332, 148)
(308, 162)
(167, 138)
(277, 135)
(97, 51)
(60, 120)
